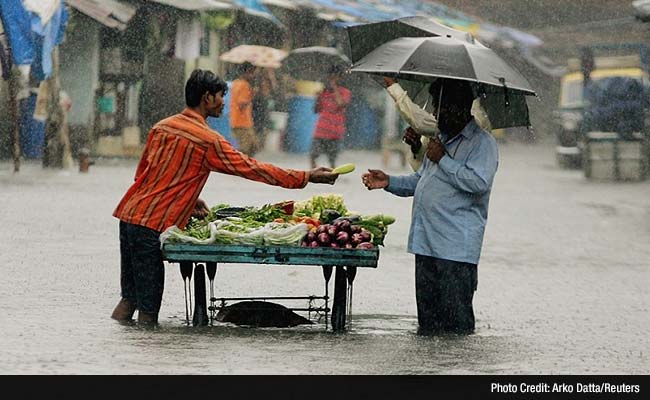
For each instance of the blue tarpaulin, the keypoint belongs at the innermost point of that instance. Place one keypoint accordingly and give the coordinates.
(31, 41)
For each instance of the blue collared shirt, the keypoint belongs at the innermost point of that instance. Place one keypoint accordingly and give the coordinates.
(450, 198)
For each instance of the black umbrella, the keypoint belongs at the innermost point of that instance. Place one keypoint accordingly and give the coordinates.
(502, 88)
(366, 37)
(313, 63)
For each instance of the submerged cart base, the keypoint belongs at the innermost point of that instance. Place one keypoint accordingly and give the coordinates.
(204, 258)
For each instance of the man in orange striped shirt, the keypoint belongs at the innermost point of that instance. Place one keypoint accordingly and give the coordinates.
(180, 153)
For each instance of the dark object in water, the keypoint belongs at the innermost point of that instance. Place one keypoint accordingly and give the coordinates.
(260, 314)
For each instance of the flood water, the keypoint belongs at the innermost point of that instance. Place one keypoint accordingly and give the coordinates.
(563, 281)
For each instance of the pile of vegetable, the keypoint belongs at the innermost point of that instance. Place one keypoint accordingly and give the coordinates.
(315, 206)
(340, 234)
(322, 221)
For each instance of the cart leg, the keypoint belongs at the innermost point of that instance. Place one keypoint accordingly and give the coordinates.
(327, 274)
(186, 273)
(200, 317)
(211, 269)
(340, 301)
(351, 273)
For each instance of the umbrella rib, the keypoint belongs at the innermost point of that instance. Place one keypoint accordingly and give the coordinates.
(506, 85)
(399, 70)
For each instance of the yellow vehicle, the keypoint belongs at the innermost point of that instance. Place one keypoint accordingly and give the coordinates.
(569, 115)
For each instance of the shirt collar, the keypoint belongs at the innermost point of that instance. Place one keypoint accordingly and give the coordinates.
(188, 112)
(468, 131)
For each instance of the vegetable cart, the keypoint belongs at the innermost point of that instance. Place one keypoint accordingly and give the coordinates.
(201, 259)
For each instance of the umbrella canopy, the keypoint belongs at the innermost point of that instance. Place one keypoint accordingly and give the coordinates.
(502, 89)
(313, 63)
(260, 56)
(366, 37)
(425, 59)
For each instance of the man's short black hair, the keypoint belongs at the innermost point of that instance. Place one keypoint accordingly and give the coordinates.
(202, 82)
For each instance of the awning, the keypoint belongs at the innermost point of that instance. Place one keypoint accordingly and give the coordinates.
(287, 4)
(642, 10)
(110, 13)
(195, 5)
(255, 8)
(344, 13)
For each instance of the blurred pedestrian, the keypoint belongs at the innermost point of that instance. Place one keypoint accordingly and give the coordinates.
(331, 105)
(241, 110)
(451, 192)
(263, 103)
(176, 162)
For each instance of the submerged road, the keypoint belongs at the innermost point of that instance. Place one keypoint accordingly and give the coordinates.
(563, 281)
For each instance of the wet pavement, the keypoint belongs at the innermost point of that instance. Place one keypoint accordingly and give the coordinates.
(563, 281)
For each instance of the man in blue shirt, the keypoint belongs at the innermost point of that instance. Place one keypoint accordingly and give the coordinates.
(451, 192)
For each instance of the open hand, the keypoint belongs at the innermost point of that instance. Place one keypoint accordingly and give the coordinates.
(375, 179)
(201, 209)
(322, 175)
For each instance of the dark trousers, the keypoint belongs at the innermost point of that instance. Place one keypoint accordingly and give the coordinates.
(142, 276)
(444, 291)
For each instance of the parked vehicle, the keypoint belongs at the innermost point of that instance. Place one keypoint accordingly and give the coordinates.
(608, 75)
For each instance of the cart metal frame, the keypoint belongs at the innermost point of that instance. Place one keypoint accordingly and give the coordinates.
(205, 258)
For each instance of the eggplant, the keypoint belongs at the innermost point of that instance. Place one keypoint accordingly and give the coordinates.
(356, 239)
(314, 244)
(332, 231)
(365, 245)
(355, 229)
(342, 238)
(352, 218)
(328, 216)
(324, 238)
(345, 226)
(349, 246)
(334, 245)
(366, 236)
(311, 236)
(322, 228)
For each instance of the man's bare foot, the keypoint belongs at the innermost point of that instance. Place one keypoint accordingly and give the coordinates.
(123, 310)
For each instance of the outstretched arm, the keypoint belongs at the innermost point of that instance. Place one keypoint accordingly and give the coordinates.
(403, 186)
(223, 157)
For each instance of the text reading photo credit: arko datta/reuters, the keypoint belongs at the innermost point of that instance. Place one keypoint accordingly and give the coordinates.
(544, 387)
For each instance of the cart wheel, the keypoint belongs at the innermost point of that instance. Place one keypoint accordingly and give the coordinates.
(340, 300)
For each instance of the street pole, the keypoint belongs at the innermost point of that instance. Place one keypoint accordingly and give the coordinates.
(57, 152)
(15, 118)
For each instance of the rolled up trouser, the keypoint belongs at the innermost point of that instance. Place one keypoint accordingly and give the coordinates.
(142, 274)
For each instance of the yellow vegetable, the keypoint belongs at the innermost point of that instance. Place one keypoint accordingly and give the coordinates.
(344, 169)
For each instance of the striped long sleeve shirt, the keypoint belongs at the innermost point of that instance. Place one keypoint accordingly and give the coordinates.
(180, 153)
